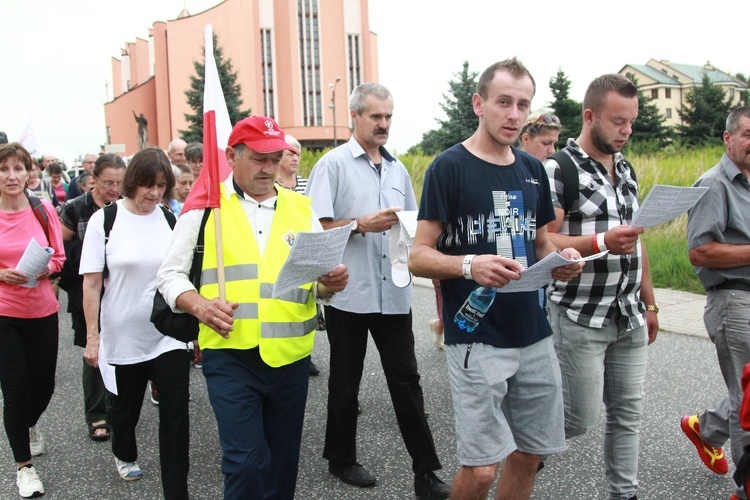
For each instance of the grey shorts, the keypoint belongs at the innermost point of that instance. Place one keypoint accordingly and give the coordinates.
(506, 400)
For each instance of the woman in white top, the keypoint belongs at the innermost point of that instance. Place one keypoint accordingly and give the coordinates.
(137, 243)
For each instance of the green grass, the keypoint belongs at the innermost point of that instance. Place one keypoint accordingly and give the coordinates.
(666, 244)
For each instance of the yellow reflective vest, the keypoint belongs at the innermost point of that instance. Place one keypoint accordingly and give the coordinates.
(283, 328)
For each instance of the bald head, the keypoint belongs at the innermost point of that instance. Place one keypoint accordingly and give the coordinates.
(176, 152)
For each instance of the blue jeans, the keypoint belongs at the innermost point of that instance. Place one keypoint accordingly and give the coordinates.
(259, 411)
(604, 364)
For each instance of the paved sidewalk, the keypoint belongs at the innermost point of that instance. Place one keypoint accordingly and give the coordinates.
(679, 312)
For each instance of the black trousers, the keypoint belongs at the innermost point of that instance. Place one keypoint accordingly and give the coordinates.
(171, 373)
(28, 360)
(394, 339)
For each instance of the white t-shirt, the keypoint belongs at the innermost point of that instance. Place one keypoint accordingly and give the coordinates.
(136, 248)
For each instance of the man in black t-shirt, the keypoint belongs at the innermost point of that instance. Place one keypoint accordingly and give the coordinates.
(482, 220)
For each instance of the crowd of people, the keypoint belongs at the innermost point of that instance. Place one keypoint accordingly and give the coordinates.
(534, 372)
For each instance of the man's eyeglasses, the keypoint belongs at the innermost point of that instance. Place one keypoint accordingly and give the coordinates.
(548, 119)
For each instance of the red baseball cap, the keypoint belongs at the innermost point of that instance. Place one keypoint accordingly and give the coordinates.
(259, 133)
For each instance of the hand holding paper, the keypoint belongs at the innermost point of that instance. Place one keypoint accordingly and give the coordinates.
(540, 274)
(34, 262)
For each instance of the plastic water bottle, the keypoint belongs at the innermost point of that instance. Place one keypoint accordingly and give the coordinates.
(475, 307)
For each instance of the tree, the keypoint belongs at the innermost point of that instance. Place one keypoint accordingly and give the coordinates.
(704, 114)
(567, 109)
(229, 86)
(649, 127)
(458, 107)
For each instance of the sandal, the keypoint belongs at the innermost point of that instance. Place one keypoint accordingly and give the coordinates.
(99, 437)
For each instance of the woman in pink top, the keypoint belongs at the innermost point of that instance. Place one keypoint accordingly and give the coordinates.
(28, 316)
(59, 188)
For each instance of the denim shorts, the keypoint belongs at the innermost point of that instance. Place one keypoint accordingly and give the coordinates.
(505, 399)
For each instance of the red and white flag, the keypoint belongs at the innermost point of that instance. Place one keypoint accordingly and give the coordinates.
(216, 130)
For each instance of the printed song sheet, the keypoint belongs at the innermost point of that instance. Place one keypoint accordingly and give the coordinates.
(540, 274)
(312, 255)
(34, 261)
(664, 203)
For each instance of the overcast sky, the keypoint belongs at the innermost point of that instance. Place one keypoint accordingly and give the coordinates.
(56, 54)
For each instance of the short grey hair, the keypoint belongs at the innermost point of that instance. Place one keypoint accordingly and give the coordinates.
(358, 99)
(175, 143)
(293, 143)
(733, 120)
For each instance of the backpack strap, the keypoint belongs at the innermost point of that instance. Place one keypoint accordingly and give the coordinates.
(41, 214)
(171, 219)
(110, 212)
(197, 266)
(569, 172)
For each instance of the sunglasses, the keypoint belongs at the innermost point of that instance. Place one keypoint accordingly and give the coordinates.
(548, 119)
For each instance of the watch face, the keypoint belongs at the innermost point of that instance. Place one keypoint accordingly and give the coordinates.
(355, 226)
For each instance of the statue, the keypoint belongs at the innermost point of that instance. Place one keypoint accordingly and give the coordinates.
(142, 131)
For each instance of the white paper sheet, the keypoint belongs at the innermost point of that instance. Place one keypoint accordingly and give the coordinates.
(34, 261)
(540, 274)
(312, 255)
(664, 203)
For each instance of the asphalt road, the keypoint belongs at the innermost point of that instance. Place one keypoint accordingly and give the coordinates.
(683, 378)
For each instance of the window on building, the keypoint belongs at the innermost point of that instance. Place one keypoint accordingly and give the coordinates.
(352, 49)
(668, 93)
(266, 55)
(309, 49)
(668, 112)
(731, 94)
(654, 93)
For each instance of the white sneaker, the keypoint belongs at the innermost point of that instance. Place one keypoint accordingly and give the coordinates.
(28, 482)
(128, 471)
(36, 442)
(437, 337)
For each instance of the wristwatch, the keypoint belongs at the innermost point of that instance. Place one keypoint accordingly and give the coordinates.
(355, 227)
(652, 307)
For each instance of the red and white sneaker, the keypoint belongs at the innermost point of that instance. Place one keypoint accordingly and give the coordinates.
(712, 457)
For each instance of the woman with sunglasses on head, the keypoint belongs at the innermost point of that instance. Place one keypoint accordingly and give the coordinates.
(539, 135)
(28, 315)
(74, 217)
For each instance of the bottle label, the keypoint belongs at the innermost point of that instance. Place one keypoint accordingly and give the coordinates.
(473, 313)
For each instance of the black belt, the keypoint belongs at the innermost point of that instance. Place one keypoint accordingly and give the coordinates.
(733, 285)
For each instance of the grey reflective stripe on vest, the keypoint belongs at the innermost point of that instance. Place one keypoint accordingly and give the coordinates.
(246, 311)
(231, 273)
(288, 330)
(298, 295)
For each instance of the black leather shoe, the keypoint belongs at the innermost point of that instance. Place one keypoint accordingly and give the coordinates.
(429, 487)
(353, 474)
(314, 371)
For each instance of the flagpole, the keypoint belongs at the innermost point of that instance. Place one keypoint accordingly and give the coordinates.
(219, 256)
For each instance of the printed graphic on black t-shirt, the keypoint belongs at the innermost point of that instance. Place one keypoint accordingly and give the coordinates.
(489, 209)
